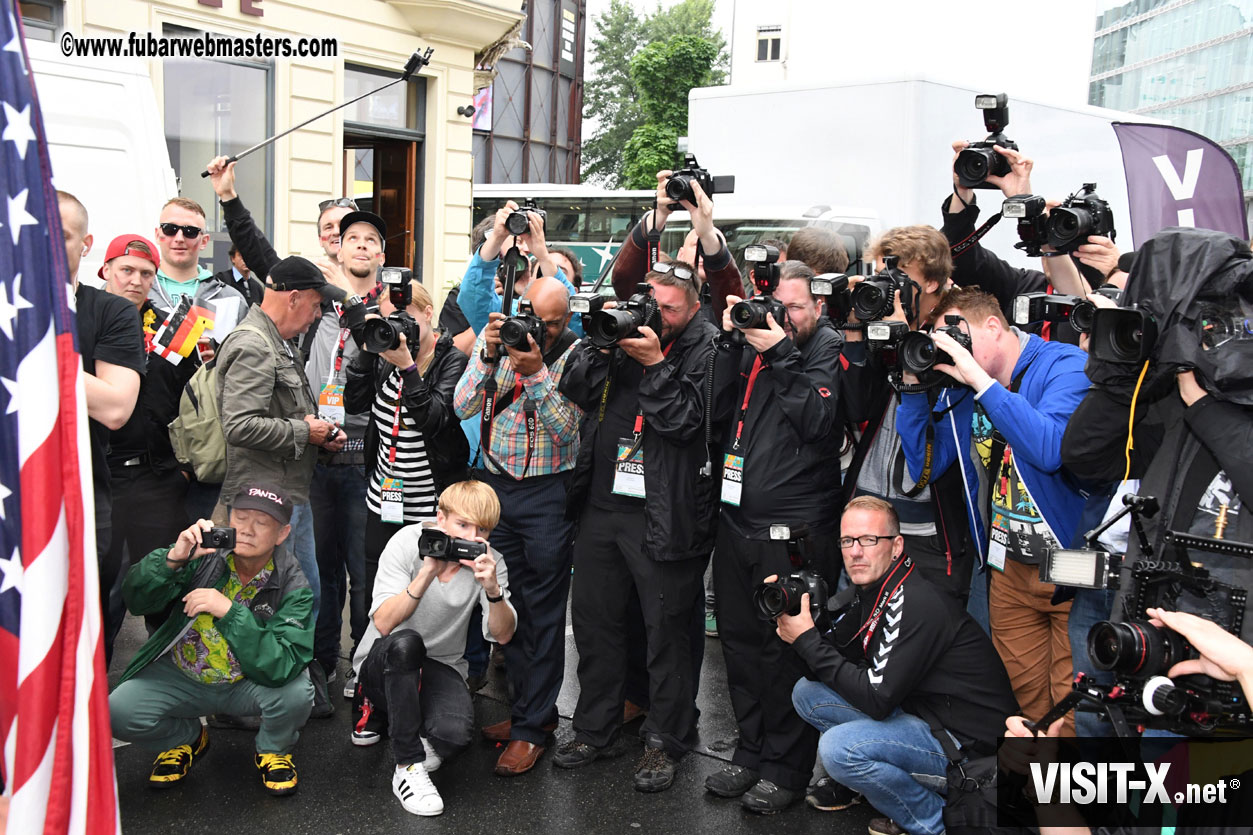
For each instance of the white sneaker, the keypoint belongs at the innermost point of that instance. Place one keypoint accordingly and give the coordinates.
(350, 684)
(433, 761)
(413, 788)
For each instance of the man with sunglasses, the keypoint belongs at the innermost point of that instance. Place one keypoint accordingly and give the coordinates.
(529, 439)
(644, 492)
(181, 237)
(777, 399)
(891, 658)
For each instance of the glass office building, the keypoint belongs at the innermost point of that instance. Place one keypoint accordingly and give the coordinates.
(1188, 62)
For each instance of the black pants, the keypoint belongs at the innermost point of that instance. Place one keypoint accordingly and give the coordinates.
(610, 566)
(948, 567)
(421, 697)
(761, 669)
(533, 536)
(637, 651)
(377, 534)
(148, 513)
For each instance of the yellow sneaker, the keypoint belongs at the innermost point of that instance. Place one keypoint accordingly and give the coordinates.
(278, 773)
(172, 765)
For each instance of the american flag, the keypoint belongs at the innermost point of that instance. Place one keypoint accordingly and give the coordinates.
(54, 710)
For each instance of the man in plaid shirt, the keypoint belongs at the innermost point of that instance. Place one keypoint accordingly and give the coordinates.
(529, 439)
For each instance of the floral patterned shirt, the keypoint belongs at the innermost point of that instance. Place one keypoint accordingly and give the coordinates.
(202, 653)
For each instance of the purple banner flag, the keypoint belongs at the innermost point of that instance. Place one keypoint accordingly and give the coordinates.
(1179, 178)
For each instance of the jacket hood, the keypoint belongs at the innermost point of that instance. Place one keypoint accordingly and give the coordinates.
(1198, 285)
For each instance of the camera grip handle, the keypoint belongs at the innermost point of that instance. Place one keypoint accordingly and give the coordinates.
(229, 160)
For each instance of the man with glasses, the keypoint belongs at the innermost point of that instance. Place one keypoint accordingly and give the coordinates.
(899, 659)
(778, 401)
(529, 438)
(645, 495)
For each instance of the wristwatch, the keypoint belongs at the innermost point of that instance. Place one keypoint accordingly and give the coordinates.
(497, 599)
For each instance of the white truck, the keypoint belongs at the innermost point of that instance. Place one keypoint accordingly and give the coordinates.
(887, 146)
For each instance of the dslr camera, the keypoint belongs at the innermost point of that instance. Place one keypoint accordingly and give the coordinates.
(834, 288)
(679, 186)
(608, 326)
(917, 353)
(433, 542)
(783, 596)
(515, 329)
(1030, 308)
(979, 160)
(519, 220)
(871, 300)
(585, 304)
(220, 538)
(379, 335)
(763, 261)
(1033, 222)
(1082, 214)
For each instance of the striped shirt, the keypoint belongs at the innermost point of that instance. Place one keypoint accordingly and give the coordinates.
(557, 437)
(411, 465)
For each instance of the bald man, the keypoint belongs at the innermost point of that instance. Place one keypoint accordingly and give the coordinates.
(529, 468)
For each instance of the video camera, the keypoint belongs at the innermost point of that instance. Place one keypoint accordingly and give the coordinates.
(1081, 214)
(679, 186)
(871, 300)
(1139, 654)
(1122, 334)
(515, 329)
(432, 542)
(606, 327)
(979, 160)
(519, 220)
(763, 262)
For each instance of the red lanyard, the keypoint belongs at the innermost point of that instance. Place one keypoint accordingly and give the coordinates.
(748, 393)
(339, 349)
(637, 431)
(391, 453)
(873, 621)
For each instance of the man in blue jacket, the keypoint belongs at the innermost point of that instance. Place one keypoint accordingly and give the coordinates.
(1020, 393)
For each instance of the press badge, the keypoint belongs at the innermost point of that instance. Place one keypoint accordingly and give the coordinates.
(732, 479)
(331, 405)
(996, 555)
(392, 500)
(628, 475)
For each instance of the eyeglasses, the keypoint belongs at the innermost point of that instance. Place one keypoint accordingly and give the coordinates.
(866, 540)
(340, 202)
(677, 270)
(189, 232)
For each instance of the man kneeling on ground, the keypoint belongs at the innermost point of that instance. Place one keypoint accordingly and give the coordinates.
(411, 661)
(238, 645)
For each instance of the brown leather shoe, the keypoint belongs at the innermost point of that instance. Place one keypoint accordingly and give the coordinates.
(518, 758)
(501, 731)
(631, 711)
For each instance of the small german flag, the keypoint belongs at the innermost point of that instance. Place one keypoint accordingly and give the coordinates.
(181, 330)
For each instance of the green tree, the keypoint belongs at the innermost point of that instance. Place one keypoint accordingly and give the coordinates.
(613, 100)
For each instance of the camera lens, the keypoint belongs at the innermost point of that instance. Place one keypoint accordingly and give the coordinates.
(872, 299)
(1135, 646)
(513, 333)
(748, 314)
(380, 335)
(518, 223)
(1069, 228)
(679, 188)
(1081, 316)
(605, 327)
(918, 352)
(1123, 335)
(777, 598)
(973, 166)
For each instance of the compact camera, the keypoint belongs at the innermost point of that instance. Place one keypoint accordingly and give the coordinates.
(1082, 214)
(433, 542)
(679, 186)
(783, 596)
(515, 329)
(519, 220)
(979, 160)
(608, 326)
(221, 538)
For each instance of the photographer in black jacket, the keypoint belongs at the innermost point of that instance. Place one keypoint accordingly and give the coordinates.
(777, 395)
(647, 524)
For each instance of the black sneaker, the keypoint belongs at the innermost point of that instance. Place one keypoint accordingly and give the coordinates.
(575, 754)
(278, 773)
(172, 766)
(655, 770)
(731, 781)
(827, 795)
(322, 705)
(885, 826)
(765, 798)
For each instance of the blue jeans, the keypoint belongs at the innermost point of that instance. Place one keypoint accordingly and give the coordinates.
(895, 762)
(300, 543)
(337, 501)
(977, 605)
(1088, 608)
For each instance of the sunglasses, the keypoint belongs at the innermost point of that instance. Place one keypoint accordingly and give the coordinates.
(189, 232)
(340, 202)
(677, 270)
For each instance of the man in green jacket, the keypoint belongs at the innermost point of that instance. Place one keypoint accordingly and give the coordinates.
(239, 644)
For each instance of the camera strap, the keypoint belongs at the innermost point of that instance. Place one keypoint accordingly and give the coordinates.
(491, 407)
(973, 238)
(748, 394)
(637, 431)
(872, 622)
(928, 457)
(654, 247)
(999, 459)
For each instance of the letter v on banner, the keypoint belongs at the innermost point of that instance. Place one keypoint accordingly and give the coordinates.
(1176, 177)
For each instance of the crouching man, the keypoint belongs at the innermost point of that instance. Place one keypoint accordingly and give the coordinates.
(411, 662)
(239, 644)
(902, 657)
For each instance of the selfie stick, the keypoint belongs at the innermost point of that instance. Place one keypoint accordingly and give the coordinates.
(416, 61)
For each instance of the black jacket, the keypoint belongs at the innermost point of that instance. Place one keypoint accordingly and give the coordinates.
(427, 402)
(791, 438)
(253, 290)
(680, 510)
(249, 240)
(925, 650)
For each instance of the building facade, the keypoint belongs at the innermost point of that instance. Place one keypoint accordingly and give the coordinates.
(405, 153)
(1189, 62)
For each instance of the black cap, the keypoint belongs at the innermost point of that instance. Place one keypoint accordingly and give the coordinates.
(364, 217)
(266, 498)
(297, 273)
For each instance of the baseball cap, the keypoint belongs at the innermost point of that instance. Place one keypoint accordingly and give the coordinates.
(266, 498)
(297, 273)
(364, 217)
(121, 245)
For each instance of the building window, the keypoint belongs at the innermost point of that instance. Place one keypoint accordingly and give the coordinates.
(212, 108)
(769, 43)
(42, 19)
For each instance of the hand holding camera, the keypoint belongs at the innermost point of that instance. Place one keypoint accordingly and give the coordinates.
(484, 568)
(964, 368)
(1221, 655)
(790, 602)
(499, 233)
(222, 176)
(400, 355)
(197, 542)
(325, 434)
(644, 347)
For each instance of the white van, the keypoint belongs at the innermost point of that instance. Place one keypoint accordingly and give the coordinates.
(106, 141)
